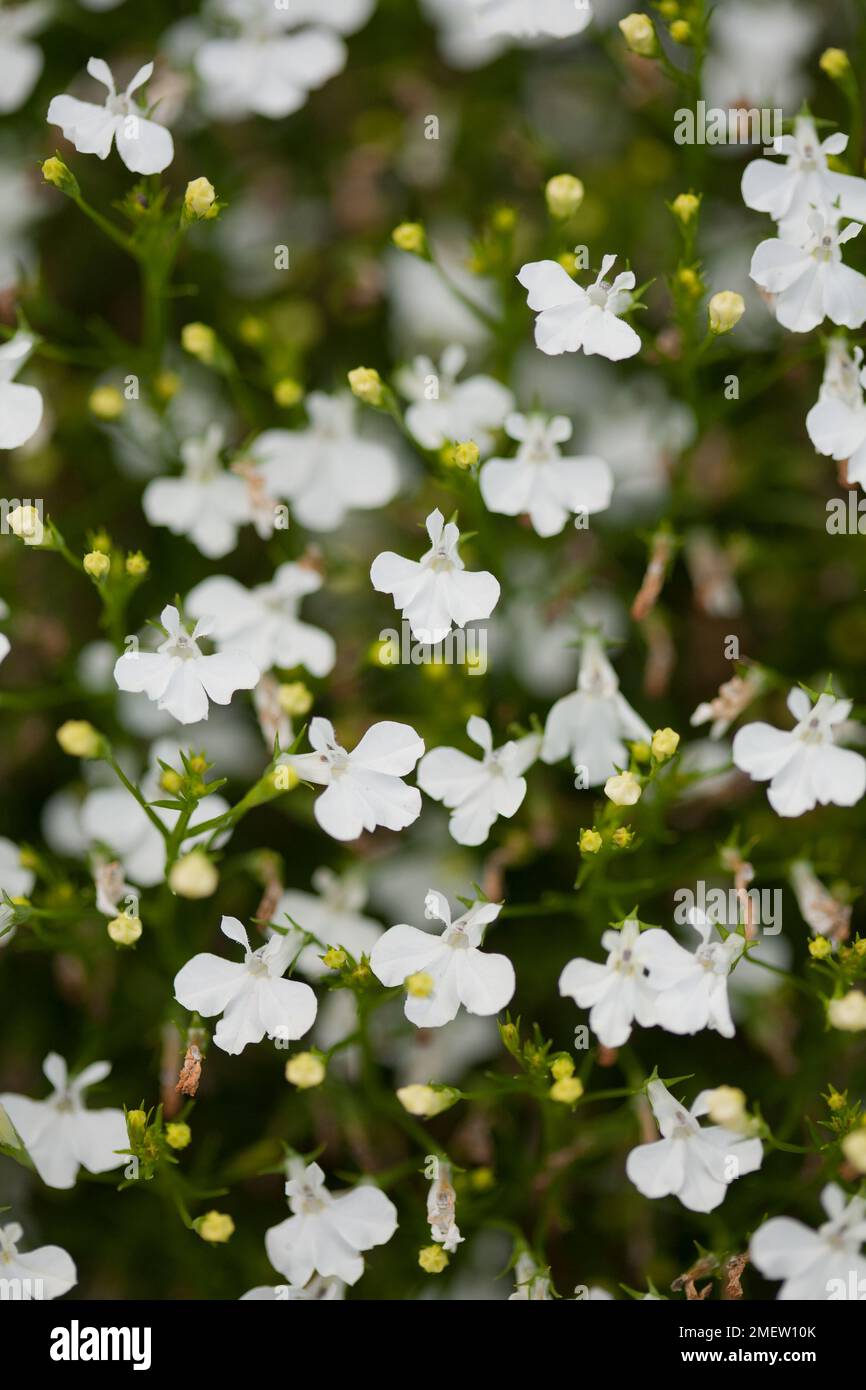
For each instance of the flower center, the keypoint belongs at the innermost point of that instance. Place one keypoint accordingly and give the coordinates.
(598, 293)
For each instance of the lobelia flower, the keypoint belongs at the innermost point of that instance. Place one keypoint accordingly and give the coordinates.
(327, 469)
(836, 424)
(459, 971)
(477, 792)
(692, 988)
(820, 909)
(445, 410)
(207, 503)
(590, 724)
(689, 1162)
(327, 1232)
(144, 146)
(364, 788)
(110, 817)
(16, 881)
(20, 61)
(436, 591)
(531, 1284)
(815, 1265)
(803, 765)
(809, 280)
(20, 406)
(734, 696)
(59, 1134)
(261, 69)
(179, 677)
(253, 998)
(618, 993)
(48, 1272)
(263, 621)
(539, 481)
(532, 19)
(789, 192)
(571, 317)
(332, 914)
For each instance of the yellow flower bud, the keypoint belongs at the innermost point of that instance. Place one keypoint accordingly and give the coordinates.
(465, 455)
(136, 1124)
(288, 392)
(166, 385)
(690, 281)
(820, 948)
(727, 1107)
(665, 743)
(334, 958)
(854, 1149)
(834, 62)
(482, 1179)
(623, 790)
(433, 1259)
(252, 330)
(366, 384)
(725, 311)
(640, 35)
(849, 1012)
(136, 563)
(622, 837)
(106, 403)
(199, 200)
(837, 1100)
(426, 1101)
(79, 739)
(419, 985)
(96, 564)
(26, 524)
(409, 236)
(56, 172)
(215, 1227)
(305, 1070)
(567, 1090)
(590, 842)
(681, 31)
(178, 1135)
(685, 206)
(641, 752)
(294, 698)
(562, 1067)
(564, 195)
(124, 930)
(199, 341)
(193, 875)
(170, 781)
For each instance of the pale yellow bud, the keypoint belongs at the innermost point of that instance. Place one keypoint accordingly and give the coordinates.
(305, 1070)
(854, 1149)
(433, 1259)
(849, 1012)
(26, 524)
(106, 403)
(665, 743)
(124, 930)
(640, 35)
(366, 384)
(567, 1090)
(199, 341)
(426, 1101)
(295, 699)
(215, 1227)
(96, 564)
(834, 62)
(178, 1135)
(288, 392)
(200, 198)
(623, 790)
(725, 311)
(79, 739)
(590, 842)
(727, 1107)
(193, 876)
(685, 206)
(409, 236)
(465, 455)
(136, 563)
(564, 195)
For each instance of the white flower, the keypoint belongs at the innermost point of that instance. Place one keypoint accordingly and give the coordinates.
(317, 1291)
(809, 280)
(16, 881)
(113, 819)
(332, 915)
(20, 61)
(253, 998)
(261, 69)
(692, 988)
(694, 1164)
(570, 317)
(532, 19)
(460, 972)
(460, 39)
(436, 591)
(59, 1134)
(327, 1231)
(363, 789)
(326, 469)
(803, 765)
(20, 406)
(836, 424)
(144, 146)
(475, 791)
(848, 1012)
(179, 677)
(48, 1272)
(531, 1285)
(804, 184)
(206, 503)
(264, 622)
(815, 1265)
(619, 992)
(539, 481)
(447, 411)
(590, 724)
